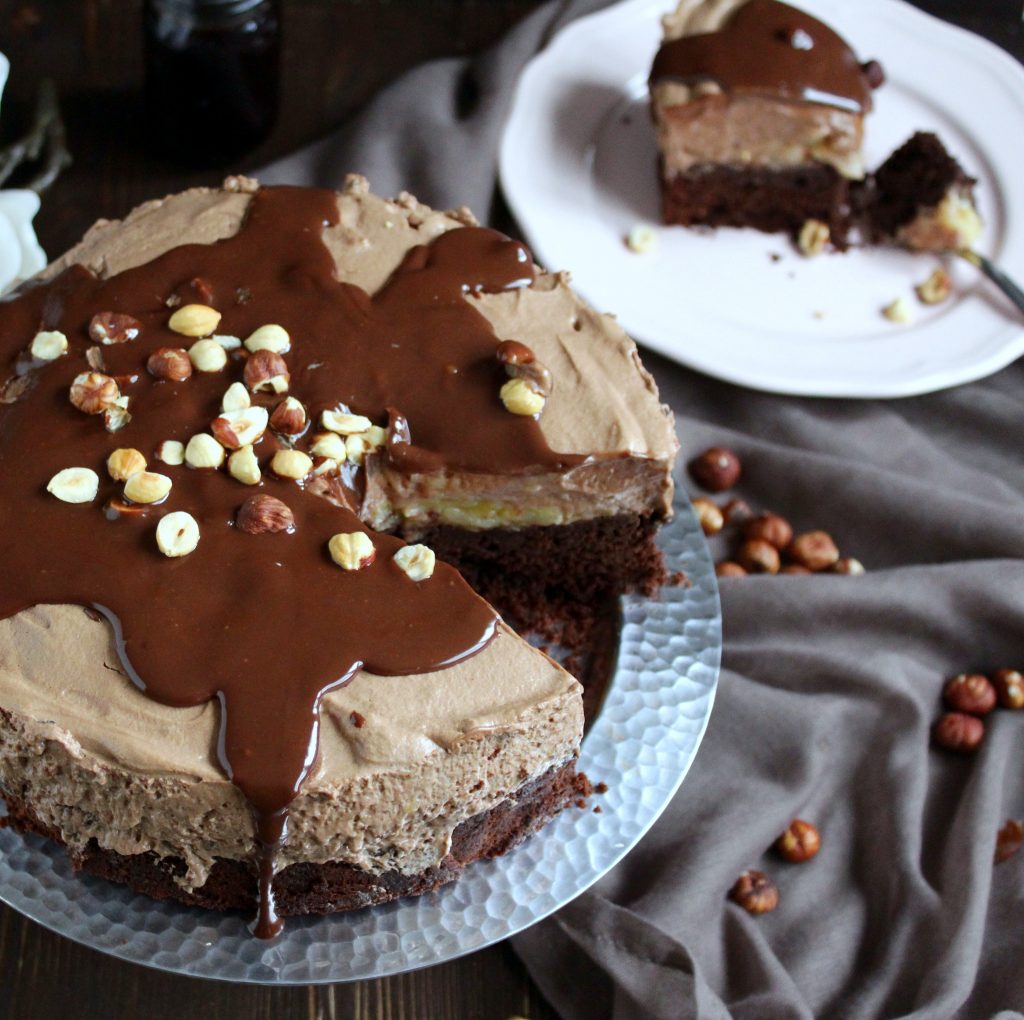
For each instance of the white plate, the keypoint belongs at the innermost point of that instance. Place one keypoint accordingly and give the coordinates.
(641, 744)
(578, 168)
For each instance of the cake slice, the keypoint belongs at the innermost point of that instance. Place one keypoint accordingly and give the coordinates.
(759, 110)
(225, 677)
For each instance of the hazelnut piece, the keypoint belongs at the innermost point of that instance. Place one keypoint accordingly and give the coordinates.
(93, 392)
(519, 397)
(177, 534)
(1009, 840)
(48, 345)
(416, 561)
(352, 550)
(236, 398)
(203, 451)
(1009, 685)
(727, 568)
(194, 320)
(266, 372)
(74, 485)
(956, 731)
(362, 443)
(755, 892)
(124, 463)
(935, 289)
(849, 566)
(343, 423)
(208, 356)
(814, 550)
(971, 693)
(813, 238)
(292, 464)
(795, 568)
(641, 239)
(269, 338)
(737, 511)
(289, 417)
(170, 363)
(716, 469)
(329, 445)
(113, 328)
(899, 311)
(758, 557)
(171, 452)
(709, 516)
(244, 467)
(235, 429)
(799, 843)
(147, 487)
(264, 515)
(771, 528)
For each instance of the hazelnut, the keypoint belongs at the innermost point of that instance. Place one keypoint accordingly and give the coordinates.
(813, 238)
(291, 464)
(74, 485)
(343, 423)
(716, 469)
(758, 557)
(755, 892)
(48, 345)
(970, 693)
(727, 568)
(244, 467)
(208, 356)
(94, 359)
(116, 416)
(236, 398)
(935, 289)
(521, 363)
(170, 363)
(416, 561)
(1009, 685)
(113, 328)
(642, 239)
(93, 392)
(956, 731)
(737, 511)
(194, 320)
(849, 566)
(814, 550)
(710, 517)
(147, 487)
(203, 451)
(266, 372)
(1009, 840)
(269, 338)
(519, 397)
(795, 568)
(229, 343)
(352, 551)
(171, 452)
(799, 843)
(263, 515)
(124, 463)
(328, 444)
(770, 528)
(177, 534)
(898, 311)
(359, 445)
(289, 417)
(235, 429)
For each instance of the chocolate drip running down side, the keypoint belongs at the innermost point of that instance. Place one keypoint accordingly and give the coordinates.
(770, 48)
(266, 623)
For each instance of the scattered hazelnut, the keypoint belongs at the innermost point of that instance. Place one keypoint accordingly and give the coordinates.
(519, 397)
(236, 398)
(113, 328)
(755, 892)
(814, 550)
(956, 731)
(325, 466)
(147, 487)
(359, 445)
(758, 557)
(794, 568)
(935, 289)
(171, 452)
(93, 392)
(194, 320)
(343, 423)
(229, 343)
(799, 843)
(849, 566)
(266, 372)
(328, 444)
(1009, 840)
(416, 561)
(1009, 685)
(48, 345)
(263, 515)
(352, 551)
(813, 238)
(737, 511)
(709, 515)
(171, 363)
(291, 464)
(970, 693)
(771, 528)
(716, 469)
(289, 417)
(208, 356)
(642, 239)
(177, 534)
(116, 416)
(727, 568)
(235, 429)
(203, 451)
(74, 485)
(94, 359)
(898, 311)
(520, 363)
(124, 463)
(244, 467)
(269, 338)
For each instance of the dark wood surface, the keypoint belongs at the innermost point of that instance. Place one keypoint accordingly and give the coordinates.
(337, 54)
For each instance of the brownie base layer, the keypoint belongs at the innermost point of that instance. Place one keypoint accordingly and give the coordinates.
(329, 887)
(765, 199)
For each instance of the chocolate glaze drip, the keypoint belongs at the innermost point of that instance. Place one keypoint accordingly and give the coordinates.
(265, 623)
(770, 48)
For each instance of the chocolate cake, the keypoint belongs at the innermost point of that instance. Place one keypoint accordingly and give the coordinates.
(244, 435)
(759, 109)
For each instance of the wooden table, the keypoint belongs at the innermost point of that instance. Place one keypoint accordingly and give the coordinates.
(337, 54)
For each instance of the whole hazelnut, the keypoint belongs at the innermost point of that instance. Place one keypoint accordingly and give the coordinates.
(771, 528)
(970, 693)
(849, 566)
(171, 363)
(727, 568)
(1009, 840)
(758, 557)
(799, 843)
(956, 731)
(736, 511)
(716, 469)
(814, 550)
(755, 892)
(266, 371)
(710, 517)
(261, 515)
(1009, 686)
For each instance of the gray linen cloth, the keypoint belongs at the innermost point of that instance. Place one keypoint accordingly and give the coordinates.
(830, 684)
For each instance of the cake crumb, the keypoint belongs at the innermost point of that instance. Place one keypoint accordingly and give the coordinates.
(642, 239)
(774, 256)
(357, 719)
(898, 311)
(601, 787)
(598, 809)
(814, 237)
(818, 315)
(935, 289)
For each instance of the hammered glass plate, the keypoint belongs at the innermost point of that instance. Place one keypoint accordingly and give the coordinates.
(641, 744)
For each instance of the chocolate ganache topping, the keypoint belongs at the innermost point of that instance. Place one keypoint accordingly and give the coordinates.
(265, 619)
(770, 48)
